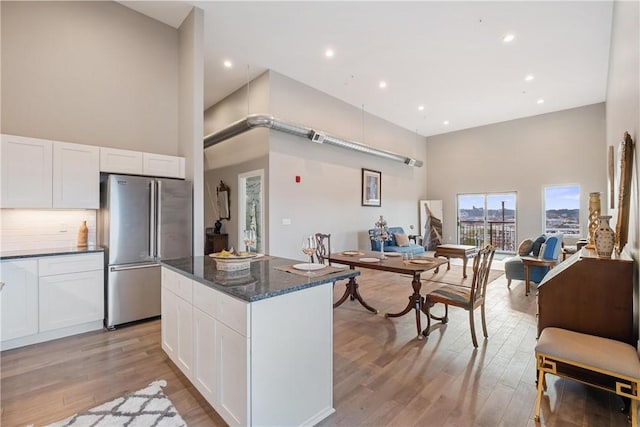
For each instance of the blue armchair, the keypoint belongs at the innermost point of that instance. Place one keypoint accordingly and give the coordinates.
(514, 269)
(391, 245)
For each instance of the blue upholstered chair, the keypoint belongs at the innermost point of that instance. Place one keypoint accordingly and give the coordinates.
(391, 245)
(514, 269)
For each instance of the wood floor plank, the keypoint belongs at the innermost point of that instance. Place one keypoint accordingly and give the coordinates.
(383, 375)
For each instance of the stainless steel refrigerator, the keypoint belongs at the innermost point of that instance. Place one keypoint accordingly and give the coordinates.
(141, 221)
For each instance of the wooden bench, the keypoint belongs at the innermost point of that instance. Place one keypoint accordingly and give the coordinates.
(599, 362)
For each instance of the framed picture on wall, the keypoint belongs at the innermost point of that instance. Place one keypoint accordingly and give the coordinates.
(223, 201)
(371, 187)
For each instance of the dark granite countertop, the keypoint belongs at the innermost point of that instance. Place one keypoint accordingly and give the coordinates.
(30, 253)
(261, 281)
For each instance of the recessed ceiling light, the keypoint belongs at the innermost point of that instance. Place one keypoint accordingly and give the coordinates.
(329, 53)
(382, 84)
(420, 107)
(227, 63)
(446, 122)
(540, 101)
(508, 38)
(529, 78)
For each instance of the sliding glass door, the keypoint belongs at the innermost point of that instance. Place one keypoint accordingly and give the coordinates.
(487, 218)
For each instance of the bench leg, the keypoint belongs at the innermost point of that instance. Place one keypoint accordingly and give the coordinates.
(539, 394)
(634, 412)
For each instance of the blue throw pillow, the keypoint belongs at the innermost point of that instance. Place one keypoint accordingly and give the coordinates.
(536, 245)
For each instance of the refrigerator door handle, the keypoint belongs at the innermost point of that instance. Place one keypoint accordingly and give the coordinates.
(133, 267)
(152, 219)
(159, 219)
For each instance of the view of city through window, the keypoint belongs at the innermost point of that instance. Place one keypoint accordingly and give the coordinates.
(487, 218)
(562, 209)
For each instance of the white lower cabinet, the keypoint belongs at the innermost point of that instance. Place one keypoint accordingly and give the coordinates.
(71, 299)
(267, 362)
(177, 320)
(50, 297)
(18, 299)
(233, 369)
(205, 355)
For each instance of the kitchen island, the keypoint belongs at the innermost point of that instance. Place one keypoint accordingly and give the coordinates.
(256, 343)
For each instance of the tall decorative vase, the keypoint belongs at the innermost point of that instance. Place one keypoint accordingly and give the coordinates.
(594, 214)
(604, 237)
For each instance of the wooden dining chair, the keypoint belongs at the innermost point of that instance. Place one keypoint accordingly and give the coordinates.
(323, 247)
(465, 297)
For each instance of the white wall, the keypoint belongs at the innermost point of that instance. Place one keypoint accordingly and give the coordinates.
(623, 96)
(328, 198)
(89, 72)
(245, 147)
(523, 155)
(24, 229)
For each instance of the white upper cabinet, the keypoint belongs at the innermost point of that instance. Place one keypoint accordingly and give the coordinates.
(160, 165)
(76, 176)
(26, 170)
(113, 160)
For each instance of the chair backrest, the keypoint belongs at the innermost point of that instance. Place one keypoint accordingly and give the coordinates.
(481, 267)
(323, 247)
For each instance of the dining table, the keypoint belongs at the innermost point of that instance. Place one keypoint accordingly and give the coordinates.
(372, 260)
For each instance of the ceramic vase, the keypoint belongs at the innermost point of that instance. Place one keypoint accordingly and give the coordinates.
(83, 235)
(594, 214)
(604, 237)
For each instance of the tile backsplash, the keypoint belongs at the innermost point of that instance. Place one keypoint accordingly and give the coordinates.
(22, 229)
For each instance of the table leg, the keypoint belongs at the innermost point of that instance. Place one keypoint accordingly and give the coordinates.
(352, 291)
(526, 280)
(464, 266)
(416, 302)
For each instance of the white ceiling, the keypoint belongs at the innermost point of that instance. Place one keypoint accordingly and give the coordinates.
(448, 56)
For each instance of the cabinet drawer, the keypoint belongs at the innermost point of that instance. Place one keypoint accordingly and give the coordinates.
(234, 313)
(230, 311)
(206, 299)
(70, 264)
(178, 284)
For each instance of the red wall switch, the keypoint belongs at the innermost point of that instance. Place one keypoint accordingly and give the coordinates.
(297, 178)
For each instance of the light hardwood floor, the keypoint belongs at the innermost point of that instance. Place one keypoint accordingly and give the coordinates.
(382, 374)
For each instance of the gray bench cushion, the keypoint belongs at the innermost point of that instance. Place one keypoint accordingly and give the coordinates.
(588, 350)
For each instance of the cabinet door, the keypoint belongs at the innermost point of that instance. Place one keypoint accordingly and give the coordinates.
(160, 165)
(204, 355)
(233, 386)
(169, 322)
(18, 299)
(185, 336)
(71, 299)
(25, 172)
(76, 176)
(177, 330)
(120, 161)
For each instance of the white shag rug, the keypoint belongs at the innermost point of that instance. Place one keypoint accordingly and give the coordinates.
(148, 407)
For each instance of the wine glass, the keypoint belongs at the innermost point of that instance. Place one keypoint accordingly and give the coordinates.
(309, 248)
(249, 239)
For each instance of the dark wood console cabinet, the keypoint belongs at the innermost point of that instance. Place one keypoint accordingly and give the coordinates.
(592, 295)
(215, 242)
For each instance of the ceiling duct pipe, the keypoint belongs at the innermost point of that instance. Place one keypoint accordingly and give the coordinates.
(268, 121)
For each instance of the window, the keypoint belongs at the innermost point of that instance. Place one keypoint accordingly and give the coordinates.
(487, 218)
(562, 209)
